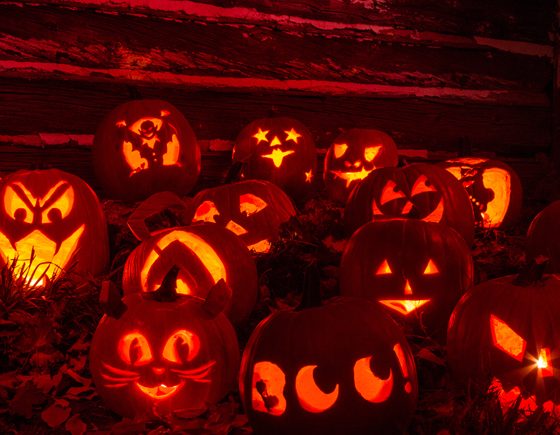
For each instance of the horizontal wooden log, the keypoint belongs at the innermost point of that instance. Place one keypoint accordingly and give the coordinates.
(100, 41)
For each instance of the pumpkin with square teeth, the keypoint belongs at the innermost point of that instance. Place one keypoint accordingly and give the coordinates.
(417, 270)
(252, 209)
(280, 150)
(504, 336)
(352, 156)
(50, 220)
(166, 353)
(418, 191)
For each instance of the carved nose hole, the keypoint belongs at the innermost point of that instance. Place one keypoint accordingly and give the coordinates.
(158, 370)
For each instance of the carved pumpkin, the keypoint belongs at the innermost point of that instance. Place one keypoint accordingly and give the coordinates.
(167, 353)
(143, 147)
(543, 237)
(417, 270)
(252, 210)
(50, 220)
(419, 191)
(280, 150)
(204, 253)
(343, 367)
(506, 333)
(352, 156)
(493, 187)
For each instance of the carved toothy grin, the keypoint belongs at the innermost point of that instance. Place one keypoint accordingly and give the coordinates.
(350, 176)
(404, 306)
(159, 391)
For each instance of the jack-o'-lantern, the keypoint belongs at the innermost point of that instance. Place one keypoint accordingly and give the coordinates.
(343, 367)
(280, 150)
(543, 237)
(143, 147)
(419, 191)
(205, 253)
(166, 353)
(417, 270)
(51, 220)
(252, 210)
(352, 156)
(493, 187)
(504, 335)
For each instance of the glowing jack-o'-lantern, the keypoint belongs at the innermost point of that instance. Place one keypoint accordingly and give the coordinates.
(252, 209)
(280, 150)
(166, 353)
(417, 270)
(493, 187)
(50, 220)
(143, 147)
(302, 372)
(504, 335)
(419, 191)
(205, 254)
(352, 156)
(543, 237)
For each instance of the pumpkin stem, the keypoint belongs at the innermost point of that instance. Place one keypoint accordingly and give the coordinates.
(311, 288)
(167, 292)
(533, 272)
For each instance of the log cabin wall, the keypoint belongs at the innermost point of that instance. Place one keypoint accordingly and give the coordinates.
(442, 77)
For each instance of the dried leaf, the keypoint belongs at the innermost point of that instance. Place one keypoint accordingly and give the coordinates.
(56, 414)
(27, 396)
(75, 425)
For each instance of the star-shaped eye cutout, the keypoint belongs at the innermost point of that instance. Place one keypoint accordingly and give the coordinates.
(292, 135)
(309, 176)
(261, 136)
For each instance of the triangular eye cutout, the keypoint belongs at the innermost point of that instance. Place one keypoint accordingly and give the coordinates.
(431, 268)
(384, 269)
(370, 153)
(506, 339)
(339, 150)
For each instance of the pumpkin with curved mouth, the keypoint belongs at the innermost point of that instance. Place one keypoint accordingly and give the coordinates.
(167, 352)
(543, 237)
(352, 156)
(419, 191)
(50, 220)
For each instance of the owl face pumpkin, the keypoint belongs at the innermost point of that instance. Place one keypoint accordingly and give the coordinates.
(280, 150)
(252, 210)
(143, 147)
(49, 220)
(418, 191)
(352, 156)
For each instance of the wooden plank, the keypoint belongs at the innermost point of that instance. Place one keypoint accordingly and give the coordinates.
(503, 19)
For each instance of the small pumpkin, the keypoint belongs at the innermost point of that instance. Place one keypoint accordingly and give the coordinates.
(166, 354)
(252, 210)
(143, 147)
(280, 150)
(352, 156)
(416, 270)
(51, 220)
(543, 237)
(494, 189)
(420, 191)
(204, 253)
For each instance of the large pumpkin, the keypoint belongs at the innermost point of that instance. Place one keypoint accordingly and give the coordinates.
(205, 254)
(417, 270)
(343, 367)
(143, 147)
(280, 150)
(50, 220)
(352, 156)
(420, 191)
(166, 354)
(493, 187)
(543, 237)
(505, 333)
(252, 210)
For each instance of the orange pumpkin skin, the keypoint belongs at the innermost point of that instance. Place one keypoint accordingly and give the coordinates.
(142, 367)
(500, 329)
(252, 209)
(494, 189)
(58, 216)
(543, 237)
(352, 156)
(143, 147)
(418, 191)
(204, 253)
(416, 270)
(280, 150)
(355, 355)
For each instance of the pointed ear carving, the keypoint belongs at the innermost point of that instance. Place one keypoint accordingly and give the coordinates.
(218, 298)
(110, 300)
